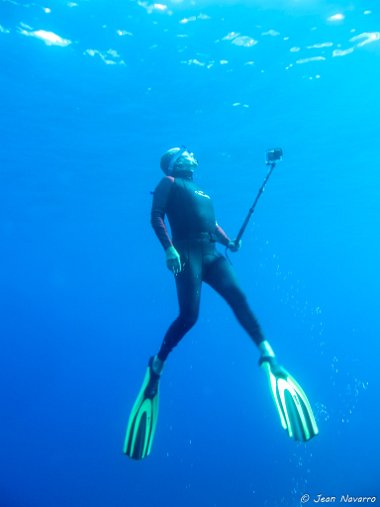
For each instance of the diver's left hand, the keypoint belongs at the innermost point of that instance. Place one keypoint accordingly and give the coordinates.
(234, 246)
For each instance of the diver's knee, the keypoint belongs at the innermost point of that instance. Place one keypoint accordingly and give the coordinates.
(237, 296)
(188, 321)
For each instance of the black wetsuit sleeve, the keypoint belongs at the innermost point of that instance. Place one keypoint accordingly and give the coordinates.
(159, 206)
(221, 236)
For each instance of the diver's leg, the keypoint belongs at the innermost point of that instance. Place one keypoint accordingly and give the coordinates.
(221, 277)
(188, 283)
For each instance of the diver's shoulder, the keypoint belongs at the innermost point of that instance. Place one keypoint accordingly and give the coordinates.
(167, 180)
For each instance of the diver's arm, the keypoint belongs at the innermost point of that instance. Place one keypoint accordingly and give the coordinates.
(222, 238)
(160, 199)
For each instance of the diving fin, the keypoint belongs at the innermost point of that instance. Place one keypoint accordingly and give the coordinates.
(293, 407)
(143, 418)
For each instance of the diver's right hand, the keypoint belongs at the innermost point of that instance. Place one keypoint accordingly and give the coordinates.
(173, 260)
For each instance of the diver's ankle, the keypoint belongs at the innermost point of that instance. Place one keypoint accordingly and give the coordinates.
(157, 365)
(266, 349)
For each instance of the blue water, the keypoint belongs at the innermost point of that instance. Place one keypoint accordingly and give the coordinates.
(92, 93)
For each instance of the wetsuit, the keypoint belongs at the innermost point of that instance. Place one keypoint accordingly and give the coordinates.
(194, 232)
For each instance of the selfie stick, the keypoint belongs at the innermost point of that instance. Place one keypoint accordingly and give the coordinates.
(272, 157)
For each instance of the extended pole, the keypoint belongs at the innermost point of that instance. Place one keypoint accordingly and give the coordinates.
(252, 209)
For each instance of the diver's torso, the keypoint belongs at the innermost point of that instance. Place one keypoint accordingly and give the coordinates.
(190, 211)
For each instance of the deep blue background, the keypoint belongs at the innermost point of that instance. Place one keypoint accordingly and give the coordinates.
(85, 295)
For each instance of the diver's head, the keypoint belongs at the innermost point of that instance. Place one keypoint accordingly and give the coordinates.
(178, 160)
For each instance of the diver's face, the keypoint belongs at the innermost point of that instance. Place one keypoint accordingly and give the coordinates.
(187, 162)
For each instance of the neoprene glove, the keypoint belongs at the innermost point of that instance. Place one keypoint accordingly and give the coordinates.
(233, 246)
(173, 260)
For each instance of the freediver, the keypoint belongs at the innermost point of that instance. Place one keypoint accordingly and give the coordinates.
(192, 257)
